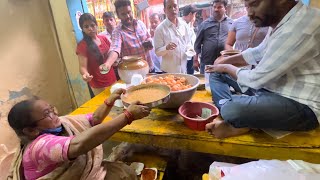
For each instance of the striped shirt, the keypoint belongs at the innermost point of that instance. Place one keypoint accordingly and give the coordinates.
(289, 59)
(128, 42)
(107, 35)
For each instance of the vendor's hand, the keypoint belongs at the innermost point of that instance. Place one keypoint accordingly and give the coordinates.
(87, 77)
(219, 60)
(116, 95)
(196, 65)
(171, 46)
(138, 111)
(220, 68)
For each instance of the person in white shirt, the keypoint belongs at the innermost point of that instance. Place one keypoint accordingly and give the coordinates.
(172, 40)
(110, 22)
(154, 23)
(189, 16)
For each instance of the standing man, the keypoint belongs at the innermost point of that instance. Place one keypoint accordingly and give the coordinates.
(130, 37)
(172, 40)
(286, 76)
(110, 23)
(212, 35)
(154, 22)
(189, 16)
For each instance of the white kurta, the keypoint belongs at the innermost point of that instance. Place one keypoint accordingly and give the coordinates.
(173, 61)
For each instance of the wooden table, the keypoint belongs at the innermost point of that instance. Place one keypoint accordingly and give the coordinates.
(165, 128)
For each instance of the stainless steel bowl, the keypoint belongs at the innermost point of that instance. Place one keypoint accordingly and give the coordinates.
(177, 98)
(156, 103)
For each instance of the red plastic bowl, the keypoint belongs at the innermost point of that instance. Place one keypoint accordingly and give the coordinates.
(190, 110)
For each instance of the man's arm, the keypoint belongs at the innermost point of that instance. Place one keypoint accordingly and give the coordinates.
(197, 47)
(223, 68)
(159, 42)
(282, 54)
(236, 60)
(115, 49)
(199, 39)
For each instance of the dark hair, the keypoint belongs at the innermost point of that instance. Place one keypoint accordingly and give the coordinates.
(224, 2)
(92, 47)
(19, 116)
(189, 9)
(121, 3)
(107, 14)
(154, 15)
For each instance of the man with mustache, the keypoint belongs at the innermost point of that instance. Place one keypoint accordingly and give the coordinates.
(110, 22)
(286, 76)
(130, 37)
(212, 35)
(172, 40)
(154, 23)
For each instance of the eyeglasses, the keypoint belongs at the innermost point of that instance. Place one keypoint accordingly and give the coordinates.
(48, 113)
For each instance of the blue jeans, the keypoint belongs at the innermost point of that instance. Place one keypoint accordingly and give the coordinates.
(220, 88)
(202, 67)
(190, 69)
(264, 110)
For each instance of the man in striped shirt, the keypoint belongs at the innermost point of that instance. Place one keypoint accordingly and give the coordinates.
(130, 37)
(286, 76)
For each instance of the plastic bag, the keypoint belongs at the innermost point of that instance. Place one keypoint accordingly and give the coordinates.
(269, 169)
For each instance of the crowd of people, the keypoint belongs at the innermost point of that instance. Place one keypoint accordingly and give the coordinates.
(280, 90)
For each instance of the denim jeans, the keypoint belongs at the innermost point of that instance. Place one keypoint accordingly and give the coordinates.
(202, 67)
(263, 110)
(220, 88)
(190, 69)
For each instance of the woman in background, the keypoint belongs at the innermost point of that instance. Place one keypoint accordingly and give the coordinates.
(92, 51)
(243, 34)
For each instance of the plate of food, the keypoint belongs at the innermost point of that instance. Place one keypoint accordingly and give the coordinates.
(150, 95)
(182, 86)
(230, 52)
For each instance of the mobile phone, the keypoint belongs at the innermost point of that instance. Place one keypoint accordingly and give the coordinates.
(147, 44)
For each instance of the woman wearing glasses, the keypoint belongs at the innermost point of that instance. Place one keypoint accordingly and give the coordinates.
(92, 51)
(68, 147)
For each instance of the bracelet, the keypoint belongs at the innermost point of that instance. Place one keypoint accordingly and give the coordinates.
(129, 116)
(108, 103)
